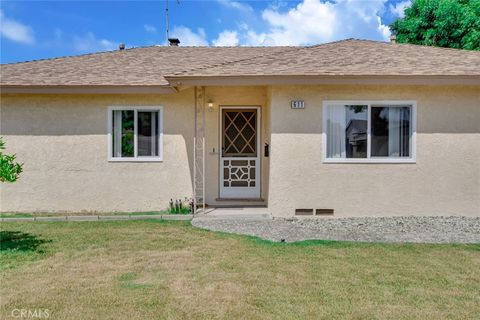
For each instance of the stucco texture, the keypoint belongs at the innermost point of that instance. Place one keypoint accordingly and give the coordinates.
(445, 180)
(62, 141)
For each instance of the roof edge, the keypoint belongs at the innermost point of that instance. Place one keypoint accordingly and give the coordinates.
(324, 79)
(88, 89)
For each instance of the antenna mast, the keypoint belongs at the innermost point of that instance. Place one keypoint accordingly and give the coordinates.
(167, 20)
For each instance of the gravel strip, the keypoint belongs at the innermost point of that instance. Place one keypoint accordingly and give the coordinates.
(385, 229)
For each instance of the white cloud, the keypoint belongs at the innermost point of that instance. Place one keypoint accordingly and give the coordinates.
(188, 37)
(255, 39)
(89, 43)
(399, 8)
(310, 21)
(236, 5)
(149, 28)
(318, 21)
(15, 30)
(384, 29)
(227, 38)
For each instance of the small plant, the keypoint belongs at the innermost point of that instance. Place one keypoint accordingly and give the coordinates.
(180, 206)
(9, 169)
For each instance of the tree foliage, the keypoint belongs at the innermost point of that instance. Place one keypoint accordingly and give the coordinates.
(441, 23)
(9, 169)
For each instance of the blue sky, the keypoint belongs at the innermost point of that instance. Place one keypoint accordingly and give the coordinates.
(41, 29)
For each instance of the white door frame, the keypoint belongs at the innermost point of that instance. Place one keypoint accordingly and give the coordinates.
(241, 192)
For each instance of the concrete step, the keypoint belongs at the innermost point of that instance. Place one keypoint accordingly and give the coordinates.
(235, 214)
(259, 217)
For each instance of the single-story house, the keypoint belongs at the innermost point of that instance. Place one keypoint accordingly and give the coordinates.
(349, 128)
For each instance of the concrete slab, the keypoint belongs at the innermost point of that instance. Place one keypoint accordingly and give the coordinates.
(61, 218)
(82, 218)
(113, 218)
(177, 216)
(249, 217)
(146, 216)
(17, 219)
(103, 218)
(260, 213)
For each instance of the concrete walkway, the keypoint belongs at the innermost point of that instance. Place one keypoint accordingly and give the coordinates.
(102, 218)
(247, 213)
(250, 214)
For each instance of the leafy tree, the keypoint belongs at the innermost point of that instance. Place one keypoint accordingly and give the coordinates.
(441, 23)
(9, 169)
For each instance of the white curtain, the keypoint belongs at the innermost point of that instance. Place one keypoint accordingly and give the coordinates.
(394, 135)
(336, 131)
(117, 133)
(398, 131)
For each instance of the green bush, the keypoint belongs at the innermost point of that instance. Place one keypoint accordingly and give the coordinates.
(9, 169)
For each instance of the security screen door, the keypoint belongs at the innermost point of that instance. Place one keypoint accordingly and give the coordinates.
(240, 155)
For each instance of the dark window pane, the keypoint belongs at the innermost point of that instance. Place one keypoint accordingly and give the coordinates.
(390, 131)
(379, 134)
(123, 132)
(239, 183)
(239, 163)
(147, 133)
(356, 131)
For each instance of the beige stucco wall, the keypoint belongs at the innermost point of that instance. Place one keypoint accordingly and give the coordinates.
(445, 180)
(62, 141)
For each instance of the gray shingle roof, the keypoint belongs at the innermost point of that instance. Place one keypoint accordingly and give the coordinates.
(353, 58)
(150, 65)
(138, 66)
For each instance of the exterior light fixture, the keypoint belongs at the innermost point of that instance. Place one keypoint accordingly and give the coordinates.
(210, 105)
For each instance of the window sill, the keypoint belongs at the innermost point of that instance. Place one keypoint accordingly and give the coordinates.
(156, 159)
(370, 161)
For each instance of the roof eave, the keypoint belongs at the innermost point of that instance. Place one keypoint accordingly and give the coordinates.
(178, 80)
(90, 89)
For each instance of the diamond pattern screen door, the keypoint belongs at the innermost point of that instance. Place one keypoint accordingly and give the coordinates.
(240, 154)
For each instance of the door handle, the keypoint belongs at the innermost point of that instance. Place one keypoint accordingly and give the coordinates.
(266, 151)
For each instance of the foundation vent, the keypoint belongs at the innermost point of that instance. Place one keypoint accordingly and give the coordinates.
(303, 212)
(324, 212)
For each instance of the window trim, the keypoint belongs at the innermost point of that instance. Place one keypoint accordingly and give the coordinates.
(369, 159)
(135, 158)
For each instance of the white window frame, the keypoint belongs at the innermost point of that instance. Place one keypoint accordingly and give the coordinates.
(369, 159)
(135, 158)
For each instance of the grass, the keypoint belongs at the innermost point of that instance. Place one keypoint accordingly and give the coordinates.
(171, 270)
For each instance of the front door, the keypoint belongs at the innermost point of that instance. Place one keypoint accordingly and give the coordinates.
(240, 154)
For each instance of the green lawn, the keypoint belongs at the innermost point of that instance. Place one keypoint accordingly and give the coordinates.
(171, 270)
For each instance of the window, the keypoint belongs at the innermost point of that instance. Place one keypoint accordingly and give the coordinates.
(135, 133)
(360, 131)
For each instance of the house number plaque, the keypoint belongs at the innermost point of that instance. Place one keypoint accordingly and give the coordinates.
(297, 104)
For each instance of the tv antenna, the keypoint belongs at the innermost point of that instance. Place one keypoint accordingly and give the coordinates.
(167, 19)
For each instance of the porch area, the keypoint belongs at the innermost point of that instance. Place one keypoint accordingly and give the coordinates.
(231, 151)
